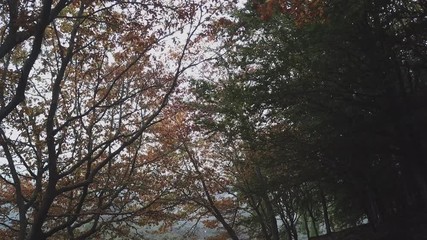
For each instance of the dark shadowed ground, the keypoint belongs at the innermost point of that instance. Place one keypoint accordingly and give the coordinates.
(413, 228)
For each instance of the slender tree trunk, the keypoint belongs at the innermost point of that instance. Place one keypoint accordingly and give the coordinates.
(36, 232)
(325, 211)
(307, 229)
(231, 233)
(292, 223)
(285, 222)
(271, 217)
(313, 221)
(294, 230)
(262, 223)
(289, 234)
(212, 206)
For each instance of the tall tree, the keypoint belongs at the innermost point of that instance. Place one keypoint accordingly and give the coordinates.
(82, 82)
(344, 78)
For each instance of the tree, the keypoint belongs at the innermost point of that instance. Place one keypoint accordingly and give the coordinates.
(340, 79)
(18, 27)
(199, 172)
(251, 111)
(83, 82)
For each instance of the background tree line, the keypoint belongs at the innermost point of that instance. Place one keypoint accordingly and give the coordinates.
(325, 99)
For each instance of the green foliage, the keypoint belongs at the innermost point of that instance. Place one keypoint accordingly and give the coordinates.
(332, 102)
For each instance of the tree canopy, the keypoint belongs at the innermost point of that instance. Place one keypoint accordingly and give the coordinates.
(271, 120)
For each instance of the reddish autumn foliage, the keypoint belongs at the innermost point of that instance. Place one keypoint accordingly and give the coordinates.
(83, 86)
(303, 11)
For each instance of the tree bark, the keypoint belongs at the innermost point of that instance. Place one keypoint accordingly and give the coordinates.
(313, 221)
(307, 229)
(212, 206)
(325, 211)
(271, 217)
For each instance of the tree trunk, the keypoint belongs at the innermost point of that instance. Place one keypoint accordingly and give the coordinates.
(294, 230)
(307, 229)
(262, 223)
(295, 233)
(272, 222)
(231, 233)
(313, 221)
(286, 223)
(211, 203)
(325, 212)
(271, 217)
(289, 234)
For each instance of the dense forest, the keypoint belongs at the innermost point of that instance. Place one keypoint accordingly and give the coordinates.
(264, 119)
